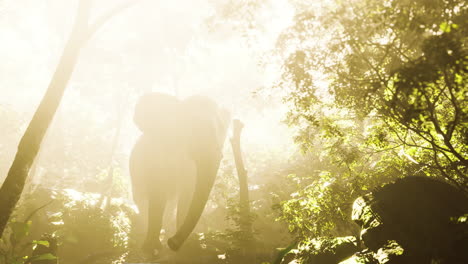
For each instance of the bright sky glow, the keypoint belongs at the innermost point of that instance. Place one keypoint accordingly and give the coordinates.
(154, 46)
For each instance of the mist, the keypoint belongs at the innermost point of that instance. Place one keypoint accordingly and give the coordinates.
(220, 131)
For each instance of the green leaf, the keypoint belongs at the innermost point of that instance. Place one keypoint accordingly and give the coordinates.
(458, 78)
(40, 242)
(445, 27)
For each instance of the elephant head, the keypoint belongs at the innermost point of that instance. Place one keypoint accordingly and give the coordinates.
(195, 127)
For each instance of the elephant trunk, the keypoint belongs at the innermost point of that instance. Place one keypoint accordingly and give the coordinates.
(206, 174)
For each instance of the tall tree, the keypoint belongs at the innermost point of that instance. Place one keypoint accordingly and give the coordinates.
(377, 90)
(30, 143)
(397, 68)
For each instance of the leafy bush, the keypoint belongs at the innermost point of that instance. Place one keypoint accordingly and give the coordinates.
(88, 228)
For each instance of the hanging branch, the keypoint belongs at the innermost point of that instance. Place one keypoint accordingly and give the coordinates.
(92, 29)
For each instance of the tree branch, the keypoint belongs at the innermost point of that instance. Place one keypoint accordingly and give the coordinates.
(92, 29)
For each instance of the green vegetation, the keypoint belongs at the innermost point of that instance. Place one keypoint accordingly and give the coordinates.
(339, 98)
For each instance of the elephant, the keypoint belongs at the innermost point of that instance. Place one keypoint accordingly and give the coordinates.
(177, 156)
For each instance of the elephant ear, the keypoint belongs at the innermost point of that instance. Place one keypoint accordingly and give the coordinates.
(206, 124)
(157, 113)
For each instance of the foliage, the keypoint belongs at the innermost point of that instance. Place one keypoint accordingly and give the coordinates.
(376, 90)
(399, 66)
(322, 202)
(17, 248)
(268, 187)
(426, 101)
(86, 226)
(320, 208)
(234, 241)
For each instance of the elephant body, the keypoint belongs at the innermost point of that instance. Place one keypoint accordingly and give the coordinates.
(177, 156)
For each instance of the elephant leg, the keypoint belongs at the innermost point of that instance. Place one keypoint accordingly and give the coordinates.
(156, 206)
(139, 221)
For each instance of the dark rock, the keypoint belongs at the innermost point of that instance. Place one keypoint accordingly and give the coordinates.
(417, 213)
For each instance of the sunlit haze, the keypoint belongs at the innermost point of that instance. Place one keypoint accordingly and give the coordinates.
(233, 131)
(152, 46)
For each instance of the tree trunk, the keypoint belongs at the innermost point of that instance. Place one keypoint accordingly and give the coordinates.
(30, 143)
(244, 200)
